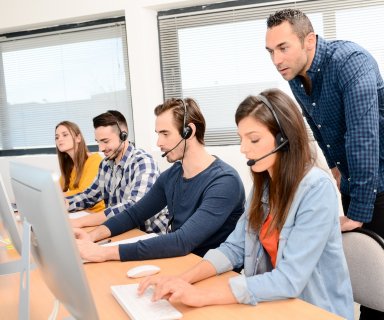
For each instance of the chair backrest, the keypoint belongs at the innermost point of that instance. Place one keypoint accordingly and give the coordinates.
(364, 251)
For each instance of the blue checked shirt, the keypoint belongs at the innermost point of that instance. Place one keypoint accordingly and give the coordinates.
(123, 185)
(345, 111)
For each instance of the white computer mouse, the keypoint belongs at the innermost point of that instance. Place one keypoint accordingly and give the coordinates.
(143, 271)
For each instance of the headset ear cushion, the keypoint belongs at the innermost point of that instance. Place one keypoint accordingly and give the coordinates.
(123, 135)
(279, 139)
(187, 132)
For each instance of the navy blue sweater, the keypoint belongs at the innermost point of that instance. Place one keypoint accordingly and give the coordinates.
(204, 210)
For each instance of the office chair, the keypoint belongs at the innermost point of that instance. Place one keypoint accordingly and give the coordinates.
(364, 251)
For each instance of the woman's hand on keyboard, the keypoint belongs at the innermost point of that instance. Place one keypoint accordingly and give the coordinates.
(153, 281)
(174, 289)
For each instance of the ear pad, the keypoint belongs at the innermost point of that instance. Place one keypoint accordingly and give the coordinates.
(281, 143)
(123, 135)
(279, 139)
(187, 132)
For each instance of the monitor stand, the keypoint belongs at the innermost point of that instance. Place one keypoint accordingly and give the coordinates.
(25, 271)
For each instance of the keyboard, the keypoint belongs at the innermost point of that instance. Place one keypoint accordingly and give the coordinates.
(141, 307)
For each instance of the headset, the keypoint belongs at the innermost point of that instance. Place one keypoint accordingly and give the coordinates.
(281, 138)
(123, 136)
(186, 131)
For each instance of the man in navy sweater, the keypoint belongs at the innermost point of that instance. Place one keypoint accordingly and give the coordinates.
(204, 195)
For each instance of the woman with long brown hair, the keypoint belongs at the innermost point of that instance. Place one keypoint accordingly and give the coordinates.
(289, 238)
(78, 166)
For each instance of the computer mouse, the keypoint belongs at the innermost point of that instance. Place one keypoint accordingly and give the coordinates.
(143, 271)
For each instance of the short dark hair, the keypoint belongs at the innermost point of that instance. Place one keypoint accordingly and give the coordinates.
(300, 23)
(110, 118)
(194, 115)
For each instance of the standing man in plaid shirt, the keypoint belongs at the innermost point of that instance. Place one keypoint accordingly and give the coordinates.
(124, 176)
(341, 92)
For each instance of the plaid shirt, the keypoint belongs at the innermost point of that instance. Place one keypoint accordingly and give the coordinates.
(123, 185)
(345, 111)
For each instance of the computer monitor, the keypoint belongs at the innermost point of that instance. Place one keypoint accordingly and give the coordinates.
(10, 225)
(40, 201)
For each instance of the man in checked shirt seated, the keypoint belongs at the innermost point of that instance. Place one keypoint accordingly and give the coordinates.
(124, 176)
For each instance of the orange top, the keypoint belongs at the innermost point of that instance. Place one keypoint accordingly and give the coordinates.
(90, 171)
(269, 241)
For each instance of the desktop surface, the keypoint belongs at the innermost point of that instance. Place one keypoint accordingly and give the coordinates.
(8, 217)
(102, 275)
(8, 253)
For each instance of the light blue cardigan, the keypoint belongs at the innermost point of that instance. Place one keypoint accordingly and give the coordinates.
(310, 261)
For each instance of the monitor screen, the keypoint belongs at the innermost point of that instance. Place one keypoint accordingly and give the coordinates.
(40, 201)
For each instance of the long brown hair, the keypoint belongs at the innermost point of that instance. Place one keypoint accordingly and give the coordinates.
(80, 156)
(291, 164)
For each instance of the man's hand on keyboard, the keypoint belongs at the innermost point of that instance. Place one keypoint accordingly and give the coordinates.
(174, 289)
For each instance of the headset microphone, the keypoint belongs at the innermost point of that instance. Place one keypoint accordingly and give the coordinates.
(281, 138)
(186, 131)
(166, 152)
(253, 161)
(123, 135)
(117, 150)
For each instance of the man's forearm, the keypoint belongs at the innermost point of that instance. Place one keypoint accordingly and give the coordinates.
(111, 253)
(91, 220)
